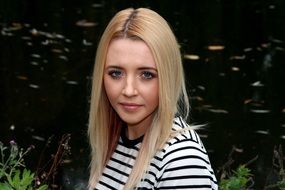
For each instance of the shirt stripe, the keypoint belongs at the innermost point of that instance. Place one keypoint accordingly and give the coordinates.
(183, 163)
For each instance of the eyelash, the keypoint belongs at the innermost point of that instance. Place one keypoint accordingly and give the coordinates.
(149, 77)
(145, 75)
(115, 74)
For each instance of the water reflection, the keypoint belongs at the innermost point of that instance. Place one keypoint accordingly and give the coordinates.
(236, 80)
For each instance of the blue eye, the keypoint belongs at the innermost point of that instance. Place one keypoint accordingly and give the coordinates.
(115, 74)
(147, 75)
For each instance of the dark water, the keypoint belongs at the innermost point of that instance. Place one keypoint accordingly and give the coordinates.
(234, 59)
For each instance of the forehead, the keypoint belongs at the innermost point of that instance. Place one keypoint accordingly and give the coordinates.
(129, 51)
(128, 44)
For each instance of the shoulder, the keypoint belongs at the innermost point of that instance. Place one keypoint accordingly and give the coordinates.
(184, 160)
(184, 143)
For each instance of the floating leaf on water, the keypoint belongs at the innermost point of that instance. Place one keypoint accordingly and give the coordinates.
(68, 40)
(240, 150)
(204, 136)
(257, 84)
(45, 43)
(14, 27)
(26, 25)
(282, 136)
(4, 33)
(216, 47)
(86, 43)
(97, 5)
(66, 161)
(191, 57)
(237, 57)
(271, 6)
(34, 32)
(247, 49)
(21, 77)
(26, 38)
(218, 111)
(85, 23)
(38, 138)
(29, 44)
(34, 63)
(36, 55)
(279, 48)
(277, 41)
(258, 49)
(34, 86)
(260, 111)
(63, 58)
(207, 106)
(29, 129)
(198, 98)
(235, 69)
(264, 45)
(59, 36)
(201, 87)
(48, 35)
(262, 132)
(17, 25)
(12, 127)
(247, 101)
(72, 82)
(56, 50)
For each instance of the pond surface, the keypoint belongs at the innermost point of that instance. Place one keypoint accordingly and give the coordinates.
(233, 54)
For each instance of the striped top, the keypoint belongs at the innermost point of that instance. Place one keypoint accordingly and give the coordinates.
(183, 163)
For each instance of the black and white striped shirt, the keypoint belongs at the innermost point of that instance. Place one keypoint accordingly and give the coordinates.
(183, 163)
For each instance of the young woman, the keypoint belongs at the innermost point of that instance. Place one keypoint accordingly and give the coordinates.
(137, 135)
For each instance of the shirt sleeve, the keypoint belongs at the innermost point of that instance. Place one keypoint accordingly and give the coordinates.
(186, 166)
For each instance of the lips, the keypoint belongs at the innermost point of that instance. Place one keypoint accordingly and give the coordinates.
(130, 107)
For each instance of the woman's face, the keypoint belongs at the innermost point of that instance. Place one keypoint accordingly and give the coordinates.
(131, 83)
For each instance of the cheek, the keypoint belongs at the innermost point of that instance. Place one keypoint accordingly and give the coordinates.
(111, 89)
(107, 86)
(153, 94)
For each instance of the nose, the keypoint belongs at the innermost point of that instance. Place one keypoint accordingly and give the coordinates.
(130, 87)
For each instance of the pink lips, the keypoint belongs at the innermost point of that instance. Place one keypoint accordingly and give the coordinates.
(130, 106)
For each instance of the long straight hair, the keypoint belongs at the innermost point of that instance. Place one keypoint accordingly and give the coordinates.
(104, 124)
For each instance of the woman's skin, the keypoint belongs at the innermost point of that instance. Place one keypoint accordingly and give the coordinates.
(131, 84)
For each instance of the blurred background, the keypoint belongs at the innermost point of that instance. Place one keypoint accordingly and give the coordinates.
(234, 60)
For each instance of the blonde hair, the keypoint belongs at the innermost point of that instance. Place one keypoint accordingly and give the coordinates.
(104, 124)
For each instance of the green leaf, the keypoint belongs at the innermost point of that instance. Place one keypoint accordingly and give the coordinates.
(9, 178)
(242, 171)
(16, 180)
(2, 173)
(238, 181)
(281, 184)
(5, 186)
(43, 187)
(28, 178)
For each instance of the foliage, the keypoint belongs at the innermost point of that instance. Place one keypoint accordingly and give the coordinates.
(281, 184)
(278, 168)
(13, 173)
(241, 179)
(238, 181)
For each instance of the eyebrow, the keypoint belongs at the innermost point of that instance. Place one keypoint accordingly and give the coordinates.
(113, 67)
(140, 68)
(147, 68)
